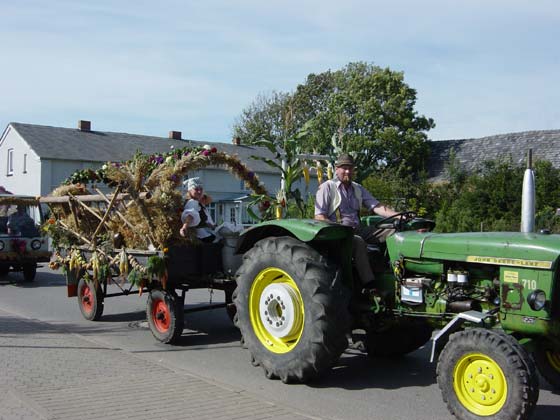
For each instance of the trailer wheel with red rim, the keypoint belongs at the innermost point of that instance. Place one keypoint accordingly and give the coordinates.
(90, 299)
(165, 315)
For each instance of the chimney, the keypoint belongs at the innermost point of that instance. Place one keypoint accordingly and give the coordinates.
(84, 125)
(236, 141)
(175, 135)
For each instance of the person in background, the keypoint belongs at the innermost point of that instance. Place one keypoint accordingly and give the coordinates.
(195, 215)
(19, 221)
(341, 199)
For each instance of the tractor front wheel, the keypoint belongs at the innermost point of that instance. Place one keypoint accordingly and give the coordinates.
(165, 314)
(90, 299)
(484, 373)
(547, 358)
(292, 309)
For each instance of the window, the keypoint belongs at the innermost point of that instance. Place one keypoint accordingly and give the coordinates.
(212, 211)
(10, 164)
(25, 163)
(232, 215)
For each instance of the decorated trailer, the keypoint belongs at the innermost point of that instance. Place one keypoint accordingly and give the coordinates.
(129, 237)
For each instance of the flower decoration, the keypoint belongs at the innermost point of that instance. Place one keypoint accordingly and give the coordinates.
(155, 219)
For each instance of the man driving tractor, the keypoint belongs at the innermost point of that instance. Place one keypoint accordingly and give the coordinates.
(340, 199)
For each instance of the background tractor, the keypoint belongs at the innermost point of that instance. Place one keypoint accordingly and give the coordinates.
(21, 245)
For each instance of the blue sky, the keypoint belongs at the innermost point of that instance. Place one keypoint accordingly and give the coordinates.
(148, 67)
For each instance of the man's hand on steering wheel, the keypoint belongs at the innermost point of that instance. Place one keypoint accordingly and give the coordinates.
(396, 221)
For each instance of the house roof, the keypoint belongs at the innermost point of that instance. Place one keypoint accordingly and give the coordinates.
(470, 153)
(103, 146)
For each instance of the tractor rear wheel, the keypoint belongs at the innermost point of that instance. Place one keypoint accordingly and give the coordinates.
(165, 314)
(547, 358)
(90, 299)
(292, 309)
(398, 340)
(484, 373)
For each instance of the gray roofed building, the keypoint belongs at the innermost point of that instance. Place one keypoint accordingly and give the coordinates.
(471, 153)
(102, 146)
(35, 159)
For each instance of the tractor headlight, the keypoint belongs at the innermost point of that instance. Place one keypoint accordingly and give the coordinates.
(35, 244)
(1, 245)
(536, 300)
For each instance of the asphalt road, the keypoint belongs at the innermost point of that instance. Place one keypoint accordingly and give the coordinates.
(356, 388)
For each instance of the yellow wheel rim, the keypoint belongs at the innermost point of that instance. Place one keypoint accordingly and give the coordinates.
(553, 358)
(480, 384)
(276, 310)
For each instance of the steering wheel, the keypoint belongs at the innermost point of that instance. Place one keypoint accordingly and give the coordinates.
(396, 221)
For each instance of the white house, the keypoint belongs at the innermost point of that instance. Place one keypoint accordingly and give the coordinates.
(35, 159)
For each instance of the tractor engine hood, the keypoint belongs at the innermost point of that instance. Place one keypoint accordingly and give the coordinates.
(501, 248)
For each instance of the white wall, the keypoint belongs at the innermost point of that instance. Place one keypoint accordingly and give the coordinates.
(25, 178)
(42, 176)
(55, 172)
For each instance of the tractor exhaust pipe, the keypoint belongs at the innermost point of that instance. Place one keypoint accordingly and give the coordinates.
(528, 197)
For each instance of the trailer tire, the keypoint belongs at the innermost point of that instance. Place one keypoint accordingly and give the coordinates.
(90, 299)
(484, 373)
(165, 314)
(29, 272)
(547, 359)
(401, 339)
(292, 309)
(231, 310)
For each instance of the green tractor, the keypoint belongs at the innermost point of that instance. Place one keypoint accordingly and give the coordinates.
(489, 303)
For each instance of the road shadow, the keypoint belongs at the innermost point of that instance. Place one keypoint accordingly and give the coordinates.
(355, 371)
(206, 328)
(14, 326)
(42, 279)
(546, 412)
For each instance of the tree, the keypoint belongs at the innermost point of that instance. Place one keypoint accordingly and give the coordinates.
(490, 199)
(368, 112)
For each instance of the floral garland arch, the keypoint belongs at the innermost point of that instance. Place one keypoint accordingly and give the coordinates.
(155, 220)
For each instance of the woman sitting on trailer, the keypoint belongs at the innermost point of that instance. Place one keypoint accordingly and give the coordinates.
(195, 214)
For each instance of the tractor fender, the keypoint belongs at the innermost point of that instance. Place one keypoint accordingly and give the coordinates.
(305, 230)
(442, 337)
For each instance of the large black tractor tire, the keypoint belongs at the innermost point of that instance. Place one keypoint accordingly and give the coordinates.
(398, 340)
(547, 358)
(90, 299)
(29, 272)
(165, 314)
(485, 373)
(292, 309)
